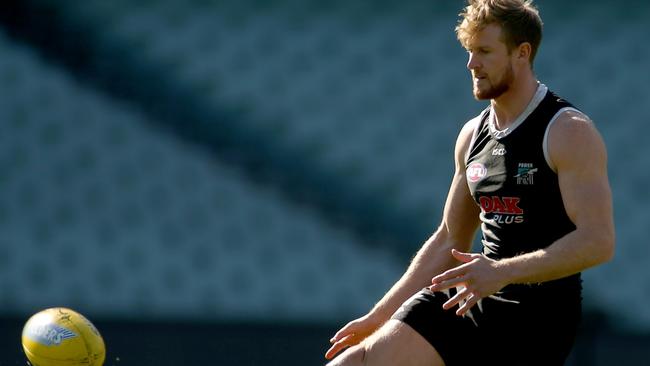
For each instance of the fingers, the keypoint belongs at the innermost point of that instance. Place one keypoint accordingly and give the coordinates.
(448, 274)
(457, 271)
(454, 276)
(460, 295)
(438, 285)
(471, 300)
(464, 257)
(343, 332)
(338, 347)
(465, 298)
(344, 338)
(449, 278)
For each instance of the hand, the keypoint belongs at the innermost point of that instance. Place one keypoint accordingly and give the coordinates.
(477, 277)
(351, 334)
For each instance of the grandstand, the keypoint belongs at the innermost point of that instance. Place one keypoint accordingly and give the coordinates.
(266, 163)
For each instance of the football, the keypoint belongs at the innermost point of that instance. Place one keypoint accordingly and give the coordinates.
(62, 337)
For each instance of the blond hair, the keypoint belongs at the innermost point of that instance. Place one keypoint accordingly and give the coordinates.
(519, 21)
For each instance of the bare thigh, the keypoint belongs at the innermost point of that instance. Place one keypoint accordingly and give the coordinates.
(394, 344)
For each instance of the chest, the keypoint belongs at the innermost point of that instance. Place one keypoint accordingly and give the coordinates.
(507, 167)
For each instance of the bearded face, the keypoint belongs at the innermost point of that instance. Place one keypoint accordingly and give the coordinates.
(490, 86)
(490, 63)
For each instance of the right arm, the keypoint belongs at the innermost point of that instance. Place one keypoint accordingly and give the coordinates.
(459, 222)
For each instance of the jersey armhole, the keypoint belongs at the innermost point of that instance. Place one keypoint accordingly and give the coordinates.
(547, 155)
(479, 121)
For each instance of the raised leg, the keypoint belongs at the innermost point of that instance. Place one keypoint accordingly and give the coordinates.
(394, 344)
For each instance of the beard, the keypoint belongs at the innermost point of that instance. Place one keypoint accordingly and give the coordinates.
(495, 90)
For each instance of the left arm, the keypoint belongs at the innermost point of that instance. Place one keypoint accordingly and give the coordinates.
(578, 152)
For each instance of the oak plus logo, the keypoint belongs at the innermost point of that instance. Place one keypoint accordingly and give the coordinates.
(476, 172)
(502, 210)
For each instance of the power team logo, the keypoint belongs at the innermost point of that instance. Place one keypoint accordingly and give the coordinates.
(476, 172)
(504, 210)
(525, 173)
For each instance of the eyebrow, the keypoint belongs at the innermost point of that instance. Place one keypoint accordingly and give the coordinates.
(481, 48)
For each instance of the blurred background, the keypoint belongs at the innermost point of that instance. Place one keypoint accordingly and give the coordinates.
(229, 182)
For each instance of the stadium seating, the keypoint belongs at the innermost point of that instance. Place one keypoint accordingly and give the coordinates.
(102, 211)
(357, 102)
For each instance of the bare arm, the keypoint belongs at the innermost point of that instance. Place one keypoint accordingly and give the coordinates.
(579, 155)
(459, 222)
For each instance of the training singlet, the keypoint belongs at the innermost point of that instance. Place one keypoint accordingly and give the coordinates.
(511, 178)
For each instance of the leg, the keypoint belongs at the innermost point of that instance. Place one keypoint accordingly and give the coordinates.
(394, 344)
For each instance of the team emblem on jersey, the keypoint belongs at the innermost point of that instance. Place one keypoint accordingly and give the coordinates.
(525, 173)
(475, 172)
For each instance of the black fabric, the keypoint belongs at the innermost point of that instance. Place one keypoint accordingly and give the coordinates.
(538, 329)
(519, 194)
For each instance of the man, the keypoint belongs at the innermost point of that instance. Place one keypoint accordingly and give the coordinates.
(532, 171)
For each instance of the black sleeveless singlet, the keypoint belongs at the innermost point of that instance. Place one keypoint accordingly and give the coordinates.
(510, 178)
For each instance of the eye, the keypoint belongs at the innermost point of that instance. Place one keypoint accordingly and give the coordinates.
(478, 50)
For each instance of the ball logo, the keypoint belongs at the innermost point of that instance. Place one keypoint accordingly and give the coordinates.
(49, 334)
(476, 172)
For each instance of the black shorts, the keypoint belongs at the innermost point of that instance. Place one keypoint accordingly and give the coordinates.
(522, 327)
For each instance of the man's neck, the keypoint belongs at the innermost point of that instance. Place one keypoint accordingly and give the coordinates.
(513, 102)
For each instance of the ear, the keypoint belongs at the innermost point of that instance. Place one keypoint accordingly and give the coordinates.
(524, 51)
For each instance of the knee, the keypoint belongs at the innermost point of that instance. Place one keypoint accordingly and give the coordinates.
(353, 356)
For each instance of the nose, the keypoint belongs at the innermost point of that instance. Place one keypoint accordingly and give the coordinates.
(472, 62)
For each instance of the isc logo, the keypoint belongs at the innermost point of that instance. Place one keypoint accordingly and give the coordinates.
(499, 152)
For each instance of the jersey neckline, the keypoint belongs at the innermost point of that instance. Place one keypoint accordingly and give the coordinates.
(537, 98)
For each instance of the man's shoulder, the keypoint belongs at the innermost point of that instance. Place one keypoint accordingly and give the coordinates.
(571, 135)
(468, 134)
(563, 104)
(470, 127)
(571, 117)
(567, 112)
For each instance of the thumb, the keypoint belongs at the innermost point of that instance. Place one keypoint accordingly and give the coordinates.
(464, 257)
